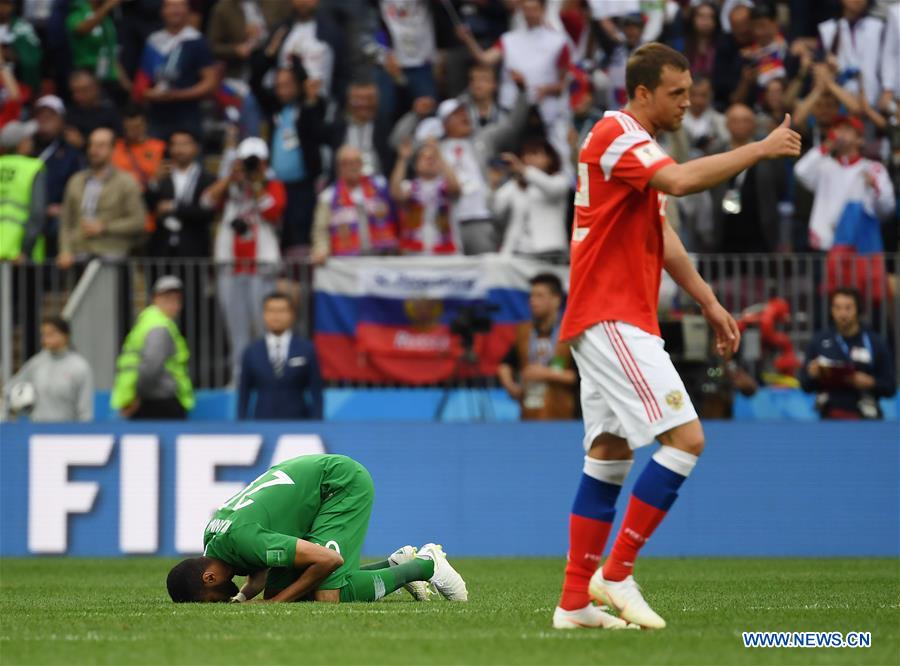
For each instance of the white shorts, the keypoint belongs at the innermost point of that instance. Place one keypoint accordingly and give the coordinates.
(629, 386)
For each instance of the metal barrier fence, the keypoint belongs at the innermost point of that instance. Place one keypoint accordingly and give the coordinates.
(29, 292)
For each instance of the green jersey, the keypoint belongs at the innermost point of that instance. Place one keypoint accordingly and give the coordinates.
(325, 499)
(95, 51)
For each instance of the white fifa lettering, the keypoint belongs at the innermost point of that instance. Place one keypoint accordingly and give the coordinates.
(51, 496)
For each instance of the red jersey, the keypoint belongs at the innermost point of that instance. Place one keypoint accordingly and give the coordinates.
(617, 237)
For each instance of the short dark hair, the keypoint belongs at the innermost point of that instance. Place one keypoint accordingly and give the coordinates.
(185, 580)
(549, 280)
(536, 144)
(279, 296)
(185, 132)
(850, 292)
(646, 64)
(763, 10)
(133, 110)
(59, 324)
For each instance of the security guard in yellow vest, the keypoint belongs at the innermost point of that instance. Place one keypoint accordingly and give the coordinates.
(23, 194)
(152, 380)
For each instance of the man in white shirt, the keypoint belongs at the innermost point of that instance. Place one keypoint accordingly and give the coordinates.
(467, 151)
(856, 40)
(840, 177)
(542, 56)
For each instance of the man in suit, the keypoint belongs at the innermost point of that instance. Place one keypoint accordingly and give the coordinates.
(362, 129)
(280, 369)
(183, 217)
(745, 208)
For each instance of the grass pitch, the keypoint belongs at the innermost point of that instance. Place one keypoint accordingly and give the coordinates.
(75, 611)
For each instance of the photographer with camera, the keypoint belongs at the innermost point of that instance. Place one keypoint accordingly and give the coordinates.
(246, 246)
(546, 381)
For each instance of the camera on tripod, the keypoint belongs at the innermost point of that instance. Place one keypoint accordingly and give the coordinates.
(471, 320)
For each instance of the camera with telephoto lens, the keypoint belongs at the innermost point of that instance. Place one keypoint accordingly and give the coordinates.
(240, 226)
(471, 320)
(251, 164)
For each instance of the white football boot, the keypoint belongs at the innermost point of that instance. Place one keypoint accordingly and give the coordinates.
(446, 579)
(626, 599)
(419, 589)
(590, 616)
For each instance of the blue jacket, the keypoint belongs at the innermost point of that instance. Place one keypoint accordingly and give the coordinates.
(869, 354)
(295, 395)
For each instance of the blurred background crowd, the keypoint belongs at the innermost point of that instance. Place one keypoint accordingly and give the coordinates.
(254, 132)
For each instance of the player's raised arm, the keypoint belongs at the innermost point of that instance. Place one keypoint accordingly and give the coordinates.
(705, 172)
(317, 563)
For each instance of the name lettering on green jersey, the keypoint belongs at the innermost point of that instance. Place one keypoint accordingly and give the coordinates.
(242, 499)
(218, 526)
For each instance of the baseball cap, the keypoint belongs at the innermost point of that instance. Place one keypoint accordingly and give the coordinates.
(447, 108)
(430, 128)
(632, 18)
(15, 132)
(252, 146)
(166, 284)
(51, 102)
(853, 121)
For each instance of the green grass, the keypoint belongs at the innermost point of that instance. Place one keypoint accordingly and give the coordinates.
(72, 611)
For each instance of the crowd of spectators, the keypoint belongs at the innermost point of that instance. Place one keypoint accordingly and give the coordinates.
(249, 131)
(425, 126)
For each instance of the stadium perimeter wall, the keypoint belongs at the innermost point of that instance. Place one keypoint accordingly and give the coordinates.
(761, 489)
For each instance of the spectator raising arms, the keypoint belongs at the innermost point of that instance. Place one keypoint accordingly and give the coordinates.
(406, 54)
(424, 203)
(315, 41)
(541, 54)
(856, 40)
(92, 35)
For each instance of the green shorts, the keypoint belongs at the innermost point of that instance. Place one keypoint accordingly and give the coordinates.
(341, 524)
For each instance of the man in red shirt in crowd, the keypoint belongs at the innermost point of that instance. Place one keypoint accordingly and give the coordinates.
(631, 393)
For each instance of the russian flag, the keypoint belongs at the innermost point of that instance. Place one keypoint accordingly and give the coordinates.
(387, 320)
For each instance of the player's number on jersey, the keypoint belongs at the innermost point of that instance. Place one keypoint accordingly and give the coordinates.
(242, 499)
(583, 193)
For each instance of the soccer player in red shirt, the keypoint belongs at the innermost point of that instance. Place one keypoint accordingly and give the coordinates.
(630, 391)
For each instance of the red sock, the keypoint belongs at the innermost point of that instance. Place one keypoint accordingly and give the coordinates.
(587, 538)
(641, 519)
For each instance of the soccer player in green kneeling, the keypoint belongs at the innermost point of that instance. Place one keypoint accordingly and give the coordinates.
(297, 532)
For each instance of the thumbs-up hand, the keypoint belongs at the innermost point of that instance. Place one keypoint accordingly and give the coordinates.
(782, 141)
